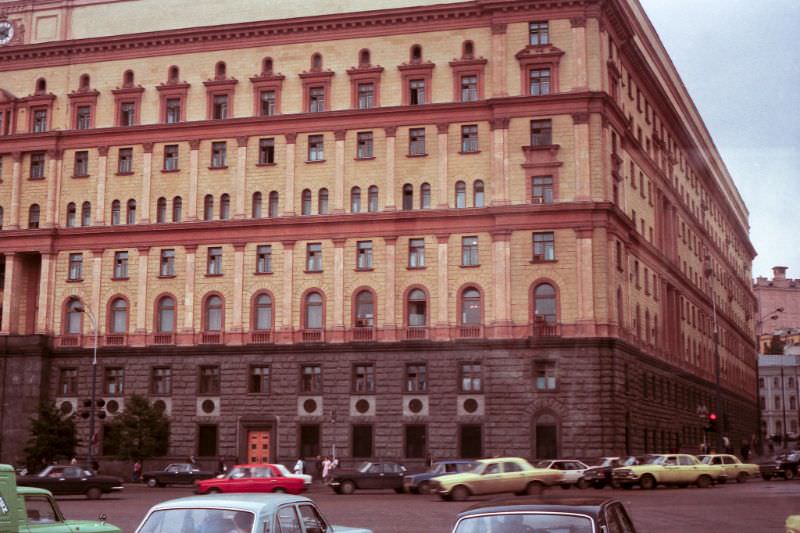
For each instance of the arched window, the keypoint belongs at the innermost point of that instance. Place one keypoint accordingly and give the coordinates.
(313, 318)
(273, 204)
(471, 307)
(416, 54)
(363, 58)
(256, 208)
(127, 78)
(224, 207)
(355, 200)
(214, 313)
(86, 214)
(130, 212)
(266, 66)
(177, 209)
(33, 216)
(365, 310)
(173, 74)
(219, 70)
(408, 197)
(208, 207)
(467, 50)
(478, 199)
(316, 62)
(115, 212)
(425, 196)
(262, 312)
(72, 214)
(323, 202)
(161, 210)
(544, 303)
(119, 316)
(84, 82)
(461, 195)
(41, 86)
(165, 321)
(305, 205)
(74, 315)
(373, 199)
(417, 308)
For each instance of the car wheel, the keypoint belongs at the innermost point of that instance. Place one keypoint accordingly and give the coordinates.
(94, 493)
(445, 497)
(534, 488)
(151, 482)
(424, 487)
(648, 482)
(582, 484)
(348, 487)
(682, 485)
(742, 477)
(789, 474)
(460, 493)
(703, 482)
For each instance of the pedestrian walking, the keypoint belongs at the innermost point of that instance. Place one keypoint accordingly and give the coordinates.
(221, 467)
(326, 469)
(136, 476)
(298, 466)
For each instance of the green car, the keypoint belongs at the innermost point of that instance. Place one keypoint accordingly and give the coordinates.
(29, 510)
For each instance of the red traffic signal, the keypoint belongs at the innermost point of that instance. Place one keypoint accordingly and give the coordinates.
(712, 416)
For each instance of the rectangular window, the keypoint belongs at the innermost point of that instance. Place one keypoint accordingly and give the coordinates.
(539, 81)
(121, 265)
(469, 251)
(542, 190)
(266, 151)
(539, 33)
(83, 117)
(81, 164)
(316, 99)
(161, 380)
(469, 138)
(316, 148)
(167, 263)
(214, 261)
(362, 441)
(416, 253)
(219, 154)
(311, 379)
(544, 246)
(470, 441)
(209, 380)
(364, 378)
(40, 120)
(366, 95)
(68, 382)
(259, 379)
(364, 145)
(364, 257)
(207, 440)
(220, 110)
(541, 132)
(416, 92)
(125, 161)
(267, 103)
(37, 165)
(127, 113)
(544, 375)
(314, 257)
(75, 267)
(171, 157)
(415, 441)
(173, 111)
(469, 88)
(416, 141)
(264, 259)
(471, 379)
(416, 378)
(114, 382)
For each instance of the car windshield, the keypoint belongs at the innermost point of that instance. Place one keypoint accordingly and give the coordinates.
(197, 520)
(363, 467)
(516, 522)
(282, 469)
(543, 464)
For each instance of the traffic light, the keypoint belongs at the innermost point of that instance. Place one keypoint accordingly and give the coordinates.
(712, 422)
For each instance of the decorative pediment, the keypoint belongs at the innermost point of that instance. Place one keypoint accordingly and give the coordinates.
(224, 83)
(544, 52)
(544, 156)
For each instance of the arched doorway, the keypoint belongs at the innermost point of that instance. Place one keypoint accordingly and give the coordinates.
(545, 436)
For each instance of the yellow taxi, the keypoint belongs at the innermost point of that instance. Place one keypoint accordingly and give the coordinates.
(732, 466)
(494, 476)
(679, 469)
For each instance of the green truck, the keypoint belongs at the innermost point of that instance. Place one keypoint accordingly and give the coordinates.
(31, 510)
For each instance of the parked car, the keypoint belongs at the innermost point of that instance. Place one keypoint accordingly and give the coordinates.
(250, 513)
(494, 476)
(27, 509)
(602, 474)
(784, 465)
(175, 474)
(421, 483)
(251, 478)
(732, 466)
(307, 480)
(672, 469)
(572, 471)
(529, 515)
(72, 479)
(368, 475)
(793, 523)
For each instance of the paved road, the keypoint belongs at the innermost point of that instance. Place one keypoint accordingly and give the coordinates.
(756, 506)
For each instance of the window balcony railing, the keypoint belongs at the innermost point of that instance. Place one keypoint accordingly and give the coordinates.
(164, 338)
(261, 337)
(469, 331)
(545, 329)
(312, 335)
(115, 339)
(70, 340)
(416, 332)
(363, 333)
(211, 337)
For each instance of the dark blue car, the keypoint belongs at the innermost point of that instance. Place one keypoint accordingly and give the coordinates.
(420, 483)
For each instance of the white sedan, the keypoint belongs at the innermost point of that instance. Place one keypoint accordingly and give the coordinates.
(571, 469)
(286, 473)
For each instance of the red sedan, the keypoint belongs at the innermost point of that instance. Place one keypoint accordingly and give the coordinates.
(251, 478)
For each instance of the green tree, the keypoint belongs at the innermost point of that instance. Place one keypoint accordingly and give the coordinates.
(141, 431)
(52, 437)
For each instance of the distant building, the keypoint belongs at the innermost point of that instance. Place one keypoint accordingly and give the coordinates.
(779, 292)
(778, 394)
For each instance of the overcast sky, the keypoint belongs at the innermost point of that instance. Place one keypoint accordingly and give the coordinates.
(739, 60)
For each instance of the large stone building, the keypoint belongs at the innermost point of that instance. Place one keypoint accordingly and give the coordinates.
(472, 228)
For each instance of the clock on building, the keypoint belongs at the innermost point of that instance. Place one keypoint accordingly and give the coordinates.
(6, 32)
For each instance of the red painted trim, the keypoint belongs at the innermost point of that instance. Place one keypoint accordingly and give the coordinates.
(128, 94)
(253, 299)
(416, 71)
(317, 79)
(544, 56)
(353, 304)
(81, 98)
(468, 67)
(266, 82)
(303, 322)
(172, 90)
(219, 87)
(110, 317)
(428, 309)
(460, 301)
(204, 312)
(532, 299)
(365, 74)
(64, 304)
(156, 301)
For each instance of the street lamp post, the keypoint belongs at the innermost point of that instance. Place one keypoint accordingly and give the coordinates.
(85, 310)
